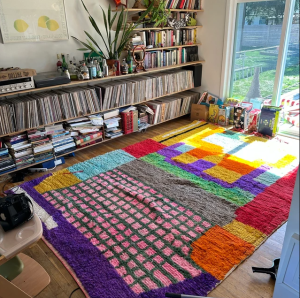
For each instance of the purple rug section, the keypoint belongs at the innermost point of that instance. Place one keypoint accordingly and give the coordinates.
(170, 153)
(89, 264)
(94, 271)
(246, 182)
(200, 285)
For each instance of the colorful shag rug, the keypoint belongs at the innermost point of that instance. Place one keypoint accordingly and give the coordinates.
(176, 213)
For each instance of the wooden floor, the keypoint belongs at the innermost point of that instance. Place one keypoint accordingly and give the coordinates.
(242, 283)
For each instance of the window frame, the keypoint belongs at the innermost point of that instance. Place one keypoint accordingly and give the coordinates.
(229, 41)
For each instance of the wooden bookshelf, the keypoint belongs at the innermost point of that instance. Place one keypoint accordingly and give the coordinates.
(165, 48)
(95, 81)
(136, 10)
(85, 115)
(79, 149)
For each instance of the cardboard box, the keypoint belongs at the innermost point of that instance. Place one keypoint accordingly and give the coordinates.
(199, 112)
(16, 74)
(213, 114)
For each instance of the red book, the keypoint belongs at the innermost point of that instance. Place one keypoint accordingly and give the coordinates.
(181, 4)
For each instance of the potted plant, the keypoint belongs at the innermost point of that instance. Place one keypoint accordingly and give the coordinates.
(158, 14)
(114, 44)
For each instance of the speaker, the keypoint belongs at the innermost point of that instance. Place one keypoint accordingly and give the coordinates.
(197, 70)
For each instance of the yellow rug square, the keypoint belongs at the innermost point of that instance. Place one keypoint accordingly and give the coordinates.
(215, 158)
(185, 158)
(223, 174)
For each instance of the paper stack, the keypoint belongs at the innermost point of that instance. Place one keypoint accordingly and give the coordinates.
(41, 144)
(61, 140)
(20, 149)
(112, 128)
(6, 161)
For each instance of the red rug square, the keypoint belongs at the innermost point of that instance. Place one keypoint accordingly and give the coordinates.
(143, 148)
(271, 207)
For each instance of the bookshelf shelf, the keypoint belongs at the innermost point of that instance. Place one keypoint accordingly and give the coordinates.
(173, 10)
(84, 115)
(79, 149)
(167, 28)
(165, 48)
(79, 83)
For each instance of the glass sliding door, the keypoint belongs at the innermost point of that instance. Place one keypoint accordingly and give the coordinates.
(257, 40)
(289, 97)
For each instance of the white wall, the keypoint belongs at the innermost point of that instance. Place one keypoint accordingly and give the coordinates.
(42, 55)
(212, 38)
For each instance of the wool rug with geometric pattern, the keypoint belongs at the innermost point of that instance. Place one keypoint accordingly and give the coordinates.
(175, 213)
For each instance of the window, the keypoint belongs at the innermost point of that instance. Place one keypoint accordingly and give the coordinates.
(261, 58)
(256, 47)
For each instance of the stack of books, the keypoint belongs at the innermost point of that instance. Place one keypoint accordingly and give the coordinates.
(86, 130)
(6, 161)
(62, 142)
(20, 149)
(85, 140)
(81, 126)
(112, 127)
(41, 144)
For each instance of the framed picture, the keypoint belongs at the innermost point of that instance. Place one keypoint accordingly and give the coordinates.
(33, 20)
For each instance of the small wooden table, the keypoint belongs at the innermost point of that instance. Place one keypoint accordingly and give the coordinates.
(33, 278)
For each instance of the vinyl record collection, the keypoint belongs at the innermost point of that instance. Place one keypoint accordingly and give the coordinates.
(46, 141)
(126, 92)
(35, 110)
(172, 106)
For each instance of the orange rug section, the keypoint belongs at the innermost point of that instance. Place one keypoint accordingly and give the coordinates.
(218, 251)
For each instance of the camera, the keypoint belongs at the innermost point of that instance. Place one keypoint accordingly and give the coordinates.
(14, 211)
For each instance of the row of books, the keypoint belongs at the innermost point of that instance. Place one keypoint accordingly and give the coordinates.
(44, 108)
(183, 4)
(156, 59)
(169, 38)
(120, 93)
(172, 106)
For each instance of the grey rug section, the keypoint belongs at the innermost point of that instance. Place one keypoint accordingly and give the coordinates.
(213, 208)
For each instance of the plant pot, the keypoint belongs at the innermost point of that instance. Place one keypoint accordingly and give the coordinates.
(110, 62)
